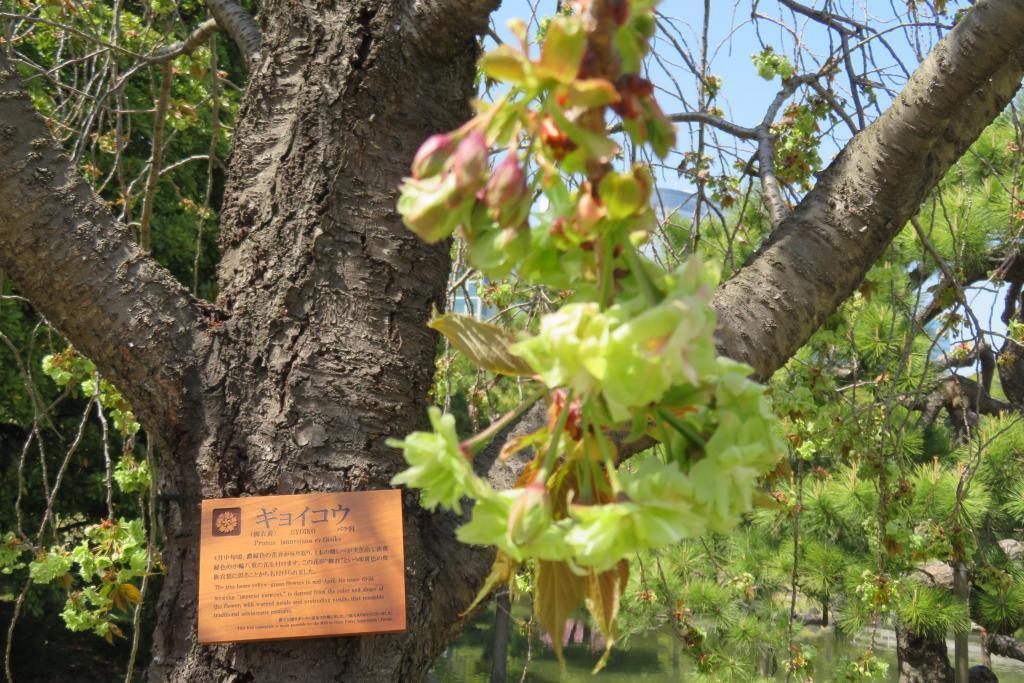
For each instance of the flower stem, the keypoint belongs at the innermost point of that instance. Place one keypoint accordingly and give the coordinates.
(610, 466)
(682, 427)
(607, 266)
(563, 417)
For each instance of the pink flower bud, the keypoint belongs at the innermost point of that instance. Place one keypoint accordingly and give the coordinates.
(507, 184)
(470, 162)
(432, 155)
(589, 210)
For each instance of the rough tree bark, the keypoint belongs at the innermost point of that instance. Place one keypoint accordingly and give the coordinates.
(317, 350)
(1007, 646)
(323, 353)
(921, 659)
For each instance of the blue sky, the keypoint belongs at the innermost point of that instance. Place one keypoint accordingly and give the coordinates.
(734, 37)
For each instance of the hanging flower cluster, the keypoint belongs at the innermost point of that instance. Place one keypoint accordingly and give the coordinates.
(632, 351)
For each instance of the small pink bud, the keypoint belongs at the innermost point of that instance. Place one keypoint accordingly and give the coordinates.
(507, 184)
(619, 11)
(470, 162)
(589, 211)
(432, 155)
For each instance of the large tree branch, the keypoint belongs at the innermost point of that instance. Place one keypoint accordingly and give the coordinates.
(82, 270)
(822, 251)
(197, 37)
(842, 24)
(1005, 646)
(238, 24)
(435, 25)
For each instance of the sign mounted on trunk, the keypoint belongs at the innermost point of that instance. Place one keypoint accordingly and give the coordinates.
(302, 566)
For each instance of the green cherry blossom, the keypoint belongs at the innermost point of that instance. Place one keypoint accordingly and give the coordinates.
(437, 465)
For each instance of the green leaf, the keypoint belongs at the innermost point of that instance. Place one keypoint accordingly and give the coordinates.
(563, 49)
(593, 145)
(484, 344)
(622, 194)
(505, 64)
(502, 571)
(591, 92)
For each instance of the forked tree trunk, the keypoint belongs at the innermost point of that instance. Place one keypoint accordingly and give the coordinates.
(324, 351)
(317, 351)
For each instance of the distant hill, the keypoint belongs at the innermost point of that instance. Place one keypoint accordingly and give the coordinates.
(666, 201)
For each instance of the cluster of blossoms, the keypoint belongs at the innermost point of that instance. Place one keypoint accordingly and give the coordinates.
(652, 362)
(453, 189)
(453, 186)
(631, 350)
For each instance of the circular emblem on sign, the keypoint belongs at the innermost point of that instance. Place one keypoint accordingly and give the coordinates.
(227, 522)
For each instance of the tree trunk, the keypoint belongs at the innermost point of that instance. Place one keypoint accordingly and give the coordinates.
(962, 591)
(767, 665)
(323, 352)
(922, 660)
(502, 624)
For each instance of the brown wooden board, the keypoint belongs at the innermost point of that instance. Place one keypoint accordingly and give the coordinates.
(303, 566)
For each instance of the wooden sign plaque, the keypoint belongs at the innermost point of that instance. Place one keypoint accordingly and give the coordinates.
(304, 566)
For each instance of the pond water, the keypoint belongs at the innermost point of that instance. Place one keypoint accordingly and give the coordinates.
(646, 659)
